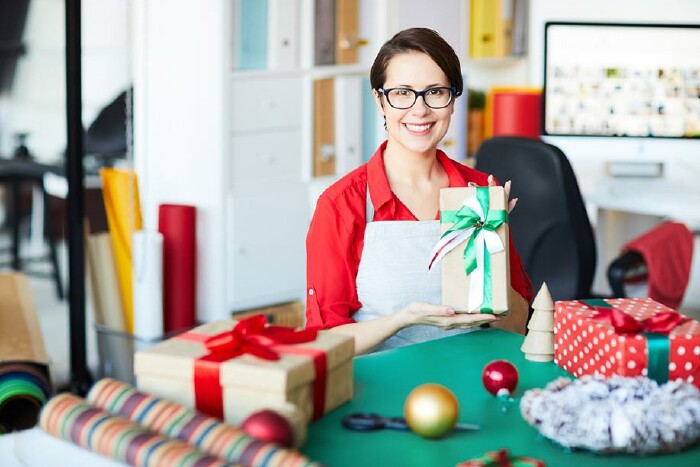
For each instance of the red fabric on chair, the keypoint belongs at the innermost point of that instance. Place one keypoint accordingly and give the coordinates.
(667, 250)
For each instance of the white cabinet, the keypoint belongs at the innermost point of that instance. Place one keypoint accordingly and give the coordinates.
(260, 160)
(262, 102)
(266, 257)
(266, 197)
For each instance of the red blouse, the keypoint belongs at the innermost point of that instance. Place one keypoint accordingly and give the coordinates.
(336, 234)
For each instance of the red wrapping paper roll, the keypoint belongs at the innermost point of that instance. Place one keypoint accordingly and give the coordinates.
(516, 113)
(178, 224)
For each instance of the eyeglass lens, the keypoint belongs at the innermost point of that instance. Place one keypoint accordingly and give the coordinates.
(403, 98)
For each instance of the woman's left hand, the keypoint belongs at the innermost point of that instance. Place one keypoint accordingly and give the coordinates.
(506, 189)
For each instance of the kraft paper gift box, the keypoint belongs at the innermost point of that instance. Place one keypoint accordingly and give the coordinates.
(189, 372)
(626, 337)
(474, 219)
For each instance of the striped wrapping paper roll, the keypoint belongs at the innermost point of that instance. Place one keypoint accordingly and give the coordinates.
(71, 418)
(176, 421)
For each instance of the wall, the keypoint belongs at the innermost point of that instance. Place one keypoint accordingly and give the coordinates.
(179, 54)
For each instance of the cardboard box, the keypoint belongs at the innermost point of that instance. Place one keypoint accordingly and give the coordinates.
(281, 314)
(456, 283)
(587, 344)
(248, 383)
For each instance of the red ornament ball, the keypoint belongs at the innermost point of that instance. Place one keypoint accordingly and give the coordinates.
(269, 426)
(498, 375)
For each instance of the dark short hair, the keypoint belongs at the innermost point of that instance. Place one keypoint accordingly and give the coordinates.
(421, 40)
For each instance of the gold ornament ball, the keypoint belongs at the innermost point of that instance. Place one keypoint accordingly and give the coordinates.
(431, 410)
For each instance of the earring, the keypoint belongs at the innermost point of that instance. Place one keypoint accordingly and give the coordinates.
(385, 123)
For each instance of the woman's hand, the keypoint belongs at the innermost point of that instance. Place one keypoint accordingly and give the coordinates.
(369, 334)
(506, 189)
(441, 316)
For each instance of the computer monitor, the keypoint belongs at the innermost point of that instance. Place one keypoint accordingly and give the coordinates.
(621, 80)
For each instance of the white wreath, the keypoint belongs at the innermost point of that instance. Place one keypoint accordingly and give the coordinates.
(618, 415)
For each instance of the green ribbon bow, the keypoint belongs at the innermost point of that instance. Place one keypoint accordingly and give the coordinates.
(466, 218)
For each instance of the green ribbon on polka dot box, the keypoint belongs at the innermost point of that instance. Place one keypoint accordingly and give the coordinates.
(643, 338)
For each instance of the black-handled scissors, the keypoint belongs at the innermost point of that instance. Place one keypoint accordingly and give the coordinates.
(373, 421)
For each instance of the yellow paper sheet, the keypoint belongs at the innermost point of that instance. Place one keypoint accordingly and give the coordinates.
(121, 197)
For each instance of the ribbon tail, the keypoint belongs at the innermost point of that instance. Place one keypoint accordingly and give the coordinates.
(476, 278)
(260, 351)
(658, 357)
(448, 243)
(494, 244)
(487, 304)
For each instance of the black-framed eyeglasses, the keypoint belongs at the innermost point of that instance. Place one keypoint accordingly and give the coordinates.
(404, 98)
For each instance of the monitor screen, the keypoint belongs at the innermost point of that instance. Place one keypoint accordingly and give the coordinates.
(640, 80)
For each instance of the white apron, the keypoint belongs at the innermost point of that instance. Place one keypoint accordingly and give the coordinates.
(393, 272)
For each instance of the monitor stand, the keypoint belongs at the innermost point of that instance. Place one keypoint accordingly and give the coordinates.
(633, 169)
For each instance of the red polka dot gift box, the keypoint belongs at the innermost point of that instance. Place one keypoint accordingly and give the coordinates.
(626, 337)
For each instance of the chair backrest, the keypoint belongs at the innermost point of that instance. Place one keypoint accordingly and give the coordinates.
(549, 226)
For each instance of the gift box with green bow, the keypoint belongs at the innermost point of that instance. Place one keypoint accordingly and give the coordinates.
(473, 249)
(502, 458)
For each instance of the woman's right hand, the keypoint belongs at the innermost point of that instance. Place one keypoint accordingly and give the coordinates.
(441, 316)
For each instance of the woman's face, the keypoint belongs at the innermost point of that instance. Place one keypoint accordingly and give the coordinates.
(419, 128)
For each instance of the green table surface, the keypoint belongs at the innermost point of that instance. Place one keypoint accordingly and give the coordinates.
(384, 379)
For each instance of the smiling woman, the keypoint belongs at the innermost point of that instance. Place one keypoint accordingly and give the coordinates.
(373, 229)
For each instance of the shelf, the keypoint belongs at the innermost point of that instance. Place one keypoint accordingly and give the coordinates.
(318, 72)
(497, 62)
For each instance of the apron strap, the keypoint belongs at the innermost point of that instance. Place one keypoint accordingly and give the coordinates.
(369, 208)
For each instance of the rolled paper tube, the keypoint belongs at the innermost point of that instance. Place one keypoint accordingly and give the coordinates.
(28, 370)
(104, 284)
(178, 225)
(21, 398)
(176, 421)
(516, 113)
(71, 418)
(121, 197)
(148, 285)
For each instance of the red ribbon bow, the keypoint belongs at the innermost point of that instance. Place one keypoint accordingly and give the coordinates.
(249, 336)
(253, 336)
(662, 323)
(502, 457)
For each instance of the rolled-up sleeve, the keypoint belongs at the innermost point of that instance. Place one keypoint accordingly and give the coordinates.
(331, 269)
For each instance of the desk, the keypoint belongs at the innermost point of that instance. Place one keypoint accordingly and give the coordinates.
(626, 208)
(14, 173)
(383, 380)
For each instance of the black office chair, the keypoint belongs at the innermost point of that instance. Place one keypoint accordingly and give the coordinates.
(549, 225)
